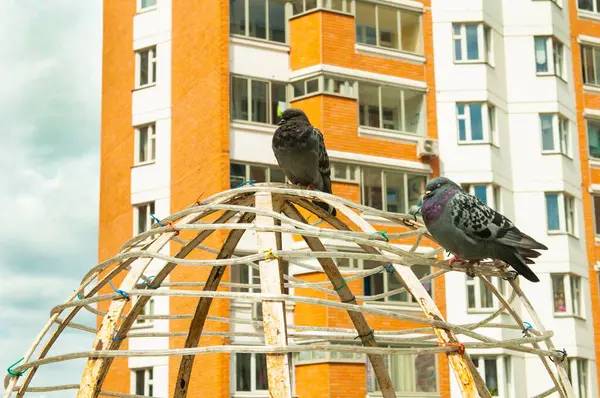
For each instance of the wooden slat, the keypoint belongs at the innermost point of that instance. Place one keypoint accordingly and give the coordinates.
(198, 321)
(278, 370)
(346, 296)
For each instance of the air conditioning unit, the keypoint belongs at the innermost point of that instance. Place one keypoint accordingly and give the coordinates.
(427, 147)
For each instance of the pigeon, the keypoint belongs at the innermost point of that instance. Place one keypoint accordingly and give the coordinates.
(463, 225)
(300, 151)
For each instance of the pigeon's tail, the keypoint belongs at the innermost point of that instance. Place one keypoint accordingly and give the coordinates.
(327, 207)
(527, 242)
(518, 259)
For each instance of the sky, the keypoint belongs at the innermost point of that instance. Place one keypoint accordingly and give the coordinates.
(50, 72)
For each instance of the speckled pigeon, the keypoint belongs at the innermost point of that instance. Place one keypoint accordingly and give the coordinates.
(300, 151)
(465, 226)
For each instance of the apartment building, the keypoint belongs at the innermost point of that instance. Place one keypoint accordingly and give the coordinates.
(192, 92)
(513, 114)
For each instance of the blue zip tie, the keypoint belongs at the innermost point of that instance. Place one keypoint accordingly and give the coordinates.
(115, 338)
(528, 326)
(248, 182)
(148, 285)
(78, 295)
(12, 372)
(121, 292)
(390, 268)
(337, 289)
(384, 234)
(371, 333)
(157, 220)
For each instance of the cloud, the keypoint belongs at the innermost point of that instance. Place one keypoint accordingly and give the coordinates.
(49, 156)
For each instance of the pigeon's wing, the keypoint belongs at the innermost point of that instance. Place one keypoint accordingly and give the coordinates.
(324, 169)
(480, 222)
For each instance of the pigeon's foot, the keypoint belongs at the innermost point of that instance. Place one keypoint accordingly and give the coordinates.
(311, 187)
(454, 259)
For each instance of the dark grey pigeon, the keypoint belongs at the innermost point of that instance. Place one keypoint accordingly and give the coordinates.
(300, 151)
(466, 227)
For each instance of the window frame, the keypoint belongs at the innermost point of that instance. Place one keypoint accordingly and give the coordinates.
(152, 67)
(148, 309)
(334, 166)
(576, 366)
(595, 6)
(596, 194)
(596, 122)
(596, 68)
(572, 288)
(566, 205)
(551, 42)
(249, 80)
(141, 8)
(150, 209)
(399, 10)
(377, 391)
(383, 172)
(150, 152)
(316, 357)
(253, 388)
(504, 370)
(148, 380)
(489, 123)
(326, 82)
(493, 191)
(485, 43)
(478, 286)
(246, 34)
(561, 135)
(422, 123)
(248, 165)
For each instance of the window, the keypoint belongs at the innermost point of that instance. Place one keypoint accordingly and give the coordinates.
(324, 84)
(472, 125)
(593, 130)
(596, 199)
(489, 194)
(479, 297)
(577, 370)
(384, 282)
(261, 19)
(391, 190)
(146, 67)
(344, 172)
(391, 108)
(147, 310)
(409, 373)
(145, 141)
(142, 217)
(311, 357)
(549, 56)
(498, 385)
(144, 381)
(472, 42)
(589, 5)
(566, 294)
(257, 101)
(240, 173)
(590, 64)
(556, 136)
(560, 211)
(146, 4)
(251, 372)
(388, 27)
(300, 6)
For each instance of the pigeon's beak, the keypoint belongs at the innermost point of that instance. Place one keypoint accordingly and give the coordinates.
(427, 194)
(281, 122)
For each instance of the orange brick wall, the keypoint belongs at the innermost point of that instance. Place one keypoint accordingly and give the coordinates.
(200, 162)
(588, 175)
(116, 152)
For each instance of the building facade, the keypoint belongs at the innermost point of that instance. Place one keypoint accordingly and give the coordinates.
(192, 92)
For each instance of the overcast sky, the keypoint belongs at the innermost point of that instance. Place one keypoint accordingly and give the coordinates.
(50, 68)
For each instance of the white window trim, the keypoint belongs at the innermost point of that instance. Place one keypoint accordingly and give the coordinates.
(136, 216)
(573, 364)
(567, 284)
(152, 61)
(246, 34)
(346, 166)
(558, 122)
(324, 86)
(141, 9)
(150, 146)
(490, 123)
(550, 42)
(402, 130)
(595, 48)
(485, 43)
(562, 216)
(247, 165)
(328, 355)
(249, 80)
(594, 161)
(505, 382)
(493, 194)
(593, 14)
(479, 285)
(147, 380)
(399, 11)
(149, 309)
(384, 185)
